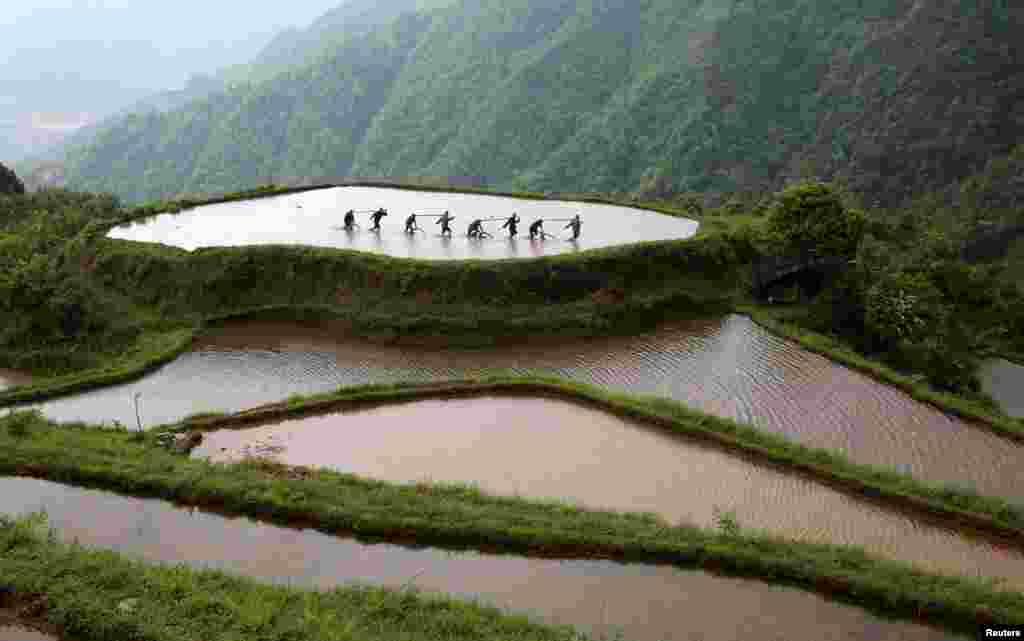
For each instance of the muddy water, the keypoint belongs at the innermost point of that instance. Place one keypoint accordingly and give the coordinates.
(1004, 381)
(544, 448)
(10, 378)
(22, 633)
(314, 218)
(729, 367)
(644, 602)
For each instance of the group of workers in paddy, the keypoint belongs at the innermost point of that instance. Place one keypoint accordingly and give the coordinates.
(476, 228)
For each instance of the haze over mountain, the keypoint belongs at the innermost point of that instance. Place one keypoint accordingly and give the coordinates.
(73, 61)
(566, 95)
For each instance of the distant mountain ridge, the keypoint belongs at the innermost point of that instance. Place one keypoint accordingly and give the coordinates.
(599, 95)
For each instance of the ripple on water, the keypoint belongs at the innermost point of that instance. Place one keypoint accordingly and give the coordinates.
(728, 366)
(22, 633)
(552, 449)
(645, 603)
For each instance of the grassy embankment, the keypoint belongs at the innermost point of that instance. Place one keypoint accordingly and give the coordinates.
(482, 302)
(465, 303)
(955, 506)
(784, 321)
(100, 596)
(478, 303)
(470, 302)
(462, 517)
(155, 345)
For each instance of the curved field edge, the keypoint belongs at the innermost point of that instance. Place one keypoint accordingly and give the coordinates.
(460, 517)
(954, 506)
(152, 348)
(477, 325)
(97, 595)
(774, 321)
(143, 212)
(960, 506)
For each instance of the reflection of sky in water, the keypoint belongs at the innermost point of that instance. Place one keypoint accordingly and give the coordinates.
(1004, 381)
(729, 367)
(647, 603)
(315, 218)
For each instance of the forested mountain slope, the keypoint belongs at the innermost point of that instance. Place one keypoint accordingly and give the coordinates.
(901, 96)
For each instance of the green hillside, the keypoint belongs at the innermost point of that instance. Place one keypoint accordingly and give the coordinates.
(601, 95)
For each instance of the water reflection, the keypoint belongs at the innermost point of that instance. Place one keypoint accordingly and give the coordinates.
(280, 220)
(545, 448)
(727, 366)
(600, 597)
(446, 246)
(1004, 381)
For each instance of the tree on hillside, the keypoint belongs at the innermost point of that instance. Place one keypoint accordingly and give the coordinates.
(47, 253)
(9, 182)
(812, 215)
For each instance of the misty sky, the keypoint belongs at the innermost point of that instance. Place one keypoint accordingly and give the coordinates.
(178, 34)
(167, 24)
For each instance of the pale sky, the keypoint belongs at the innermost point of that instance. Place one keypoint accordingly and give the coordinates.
(168, 21)
(144, 44)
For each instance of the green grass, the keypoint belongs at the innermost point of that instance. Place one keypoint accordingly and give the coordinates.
(153, 347)
(783, 321)
(457, 516)
(952, 503)
(461, 303)
(83, 591)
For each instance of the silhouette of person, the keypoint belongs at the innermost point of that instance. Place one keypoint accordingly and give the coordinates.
(511, 224)
(445, 221)
(575, 223)
(410, 224)
(537, 228)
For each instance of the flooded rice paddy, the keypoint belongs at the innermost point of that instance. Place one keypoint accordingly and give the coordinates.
(729, 367)
(316, 217)
(11, 378)
(645, 603)
(22, 633)
(545, 448)
(1004, 381)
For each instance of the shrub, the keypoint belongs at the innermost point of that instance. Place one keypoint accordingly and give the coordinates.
(904, 306)
(813, 215)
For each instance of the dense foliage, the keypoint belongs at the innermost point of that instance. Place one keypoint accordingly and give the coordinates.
(912, 299)
(600, 95)
(46, 294)
(9, 182)
(814, 215)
